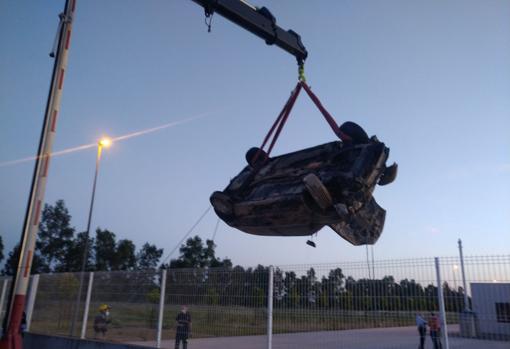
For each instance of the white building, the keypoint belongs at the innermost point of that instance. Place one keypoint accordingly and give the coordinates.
(491, 304)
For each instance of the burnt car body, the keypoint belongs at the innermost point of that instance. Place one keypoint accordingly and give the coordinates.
(297, 194)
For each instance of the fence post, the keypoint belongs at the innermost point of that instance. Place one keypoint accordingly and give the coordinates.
(270, 309)
(444, 329)
(87, 307)
(32, 292)
(161, 307)
(2, 298)
(466, 301)
(31, 299)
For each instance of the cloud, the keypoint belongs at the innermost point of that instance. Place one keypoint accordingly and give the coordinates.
(114, 139)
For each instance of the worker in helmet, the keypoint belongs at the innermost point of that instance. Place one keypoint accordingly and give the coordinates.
(101, 321)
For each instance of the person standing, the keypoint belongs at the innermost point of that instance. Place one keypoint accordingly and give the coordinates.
(101, 321)
(435, 331)
(421, 324)
(183, 330)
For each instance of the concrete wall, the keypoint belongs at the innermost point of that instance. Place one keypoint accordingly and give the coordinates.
(484, 298)
(38, 341)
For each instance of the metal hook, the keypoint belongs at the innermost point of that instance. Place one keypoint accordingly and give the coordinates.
(208, 20)
(301, 71)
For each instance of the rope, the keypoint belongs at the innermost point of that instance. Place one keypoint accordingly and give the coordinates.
(132, 297)
(280, 121)
(187, 234)
(368, 262)
(292, 100)
(216, 229)
(373, 262)
(330, 120)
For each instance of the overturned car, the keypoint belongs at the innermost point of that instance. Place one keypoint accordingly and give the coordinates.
(299, 193)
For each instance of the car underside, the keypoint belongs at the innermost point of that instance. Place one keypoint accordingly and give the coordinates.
(297, 194)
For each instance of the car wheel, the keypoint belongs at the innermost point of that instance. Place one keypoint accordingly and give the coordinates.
(353, 133)
(250, 156)
(222, 205)
(318, 191)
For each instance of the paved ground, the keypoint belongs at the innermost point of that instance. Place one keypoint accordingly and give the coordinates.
(380, 338)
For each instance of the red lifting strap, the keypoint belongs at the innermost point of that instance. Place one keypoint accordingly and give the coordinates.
(332, 123)
(284, 115)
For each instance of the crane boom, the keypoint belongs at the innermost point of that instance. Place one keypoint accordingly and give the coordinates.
(258, 21)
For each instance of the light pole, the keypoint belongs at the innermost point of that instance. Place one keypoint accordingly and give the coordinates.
(455, 289)
(455, 268)
(104, 142)
(464, 286)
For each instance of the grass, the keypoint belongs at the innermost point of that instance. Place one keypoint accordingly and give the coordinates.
(138, 321)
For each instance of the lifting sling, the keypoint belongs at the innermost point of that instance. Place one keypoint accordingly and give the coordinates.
(280, 121)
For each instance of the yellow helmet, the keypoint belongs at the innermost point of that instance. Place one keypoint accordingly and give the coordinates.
(104, 307)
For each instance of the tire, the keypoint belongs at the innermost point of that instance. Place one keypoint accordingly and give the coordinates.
(222, 205)
(318, 191)
(250, 157)
(354, 132)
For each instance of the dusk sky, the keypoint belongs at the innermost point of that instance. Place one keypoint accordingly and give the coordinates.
(430, 78)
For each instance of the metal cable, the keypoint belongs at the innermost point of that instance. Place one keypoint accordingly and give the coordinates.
(187, 234)
(216, 229)
(373, 261)
(368, 262)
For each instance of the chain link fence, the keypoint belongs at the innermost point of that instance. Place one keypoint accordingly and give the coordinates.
(223, 303)
(355, 305)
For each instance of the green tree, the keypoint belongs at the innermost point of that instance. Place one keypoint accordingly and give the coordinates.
(336, 278)
(310, 283)
(58, 249)
(104, 250)
(152, 297)
(213, 298)
(334, 285)
(323, 299)
(148, 257)
(194, 254)
(110, 254)
(124, 258)
(55, 235)
(11, 263)
(74, 257)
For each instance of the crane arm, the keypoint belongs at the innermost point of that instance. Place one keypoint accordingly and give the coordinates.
(258, 21)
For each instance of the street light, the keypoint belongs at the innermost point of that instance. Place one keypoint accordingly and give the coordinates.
(104, 142)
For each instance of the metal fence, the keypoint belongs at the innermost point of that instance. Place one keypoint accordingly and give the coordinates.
(354, 305)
